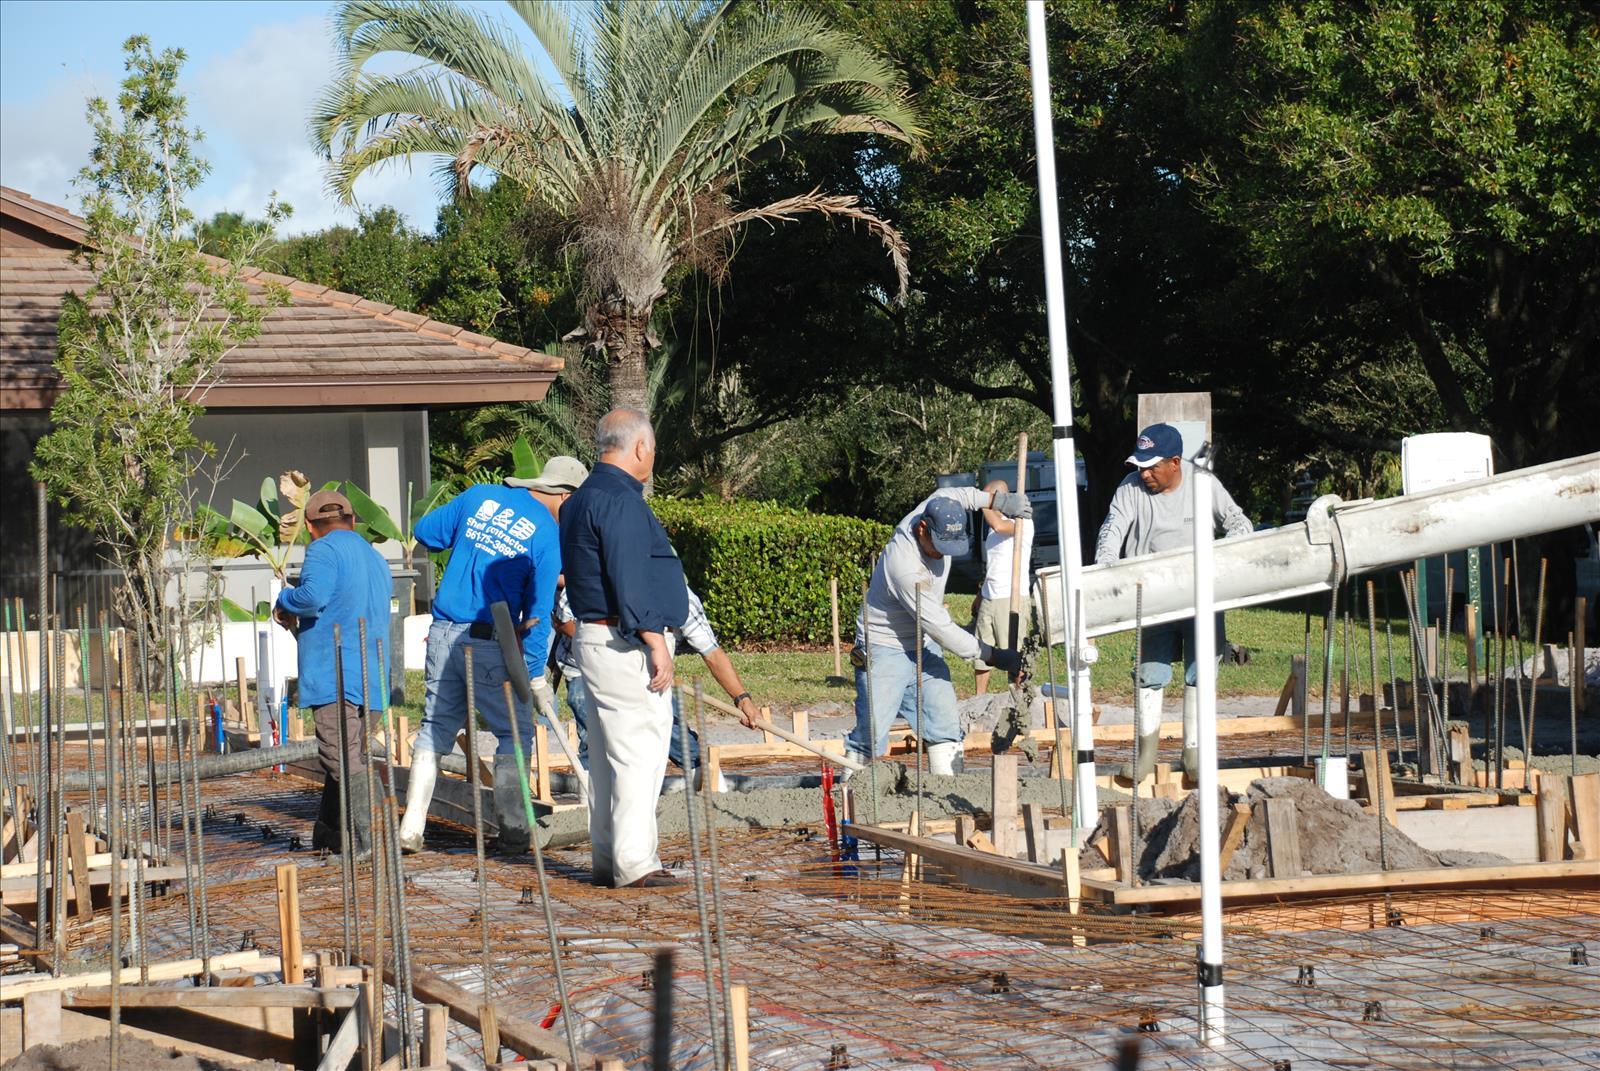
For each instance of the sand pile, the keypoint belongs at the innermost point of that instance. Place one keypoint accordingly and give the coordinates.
(1336, 837)
(133, 1054)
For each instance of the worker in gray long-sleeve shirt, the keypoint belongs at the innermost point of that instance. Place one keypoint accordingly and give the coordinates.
(1152, 511)
(918, 557)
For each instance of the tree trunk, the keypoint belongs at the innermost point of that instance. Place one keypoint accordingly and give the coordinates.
(621, 331)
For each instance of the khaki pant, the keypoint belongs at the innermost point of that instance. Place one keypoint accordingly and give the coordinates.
(994, 624)
(627, 752)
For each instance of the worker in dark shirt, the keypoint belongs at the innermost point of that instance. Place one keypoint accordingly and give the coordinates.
(626, 589)
(344, 582)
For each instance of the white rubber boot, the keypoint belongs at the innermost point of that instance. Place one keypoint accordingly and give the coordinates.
(942, 758)
(1191, 733)
(419, 794)
(1147, 724)
(844, 773)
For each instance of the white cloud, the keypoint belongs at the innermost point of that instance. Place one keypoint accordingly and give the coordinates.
(254, 103)
(45, 142)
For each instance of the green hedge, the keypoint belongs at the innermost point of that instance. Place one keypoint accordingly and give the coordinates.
(762, 569)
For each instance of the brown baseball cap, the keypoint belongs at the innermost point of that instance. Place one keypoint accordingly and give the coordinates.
(327, 506)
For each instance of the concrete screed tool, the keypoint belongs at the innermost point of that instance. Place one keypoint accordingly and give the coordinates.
(516, 669)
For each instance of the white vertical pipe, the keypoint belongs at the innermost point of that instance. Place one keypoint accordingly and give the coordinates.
(1212, 1013)
(1079, 655)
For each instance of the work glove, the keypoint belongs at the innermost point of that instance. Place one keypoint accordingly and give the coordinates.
(544, 700)
(1013, 504)
(1000, 658)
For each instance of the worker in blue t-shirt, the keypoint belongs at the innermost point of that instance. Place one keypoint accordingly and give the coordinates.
(344, 582)
(503, 547)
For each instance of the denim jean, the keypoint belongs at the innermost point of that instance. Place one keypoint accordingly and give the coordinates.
(445, 707)
(1165, 644)
(578, 702)
(894, 693)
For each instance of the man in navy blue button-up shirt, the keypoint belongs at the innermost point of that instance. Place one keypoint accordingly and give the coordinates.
(626, 589)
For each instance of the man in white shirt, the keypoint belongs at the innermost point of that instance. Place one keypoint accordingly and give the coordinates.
(918, 559)
(991, 610)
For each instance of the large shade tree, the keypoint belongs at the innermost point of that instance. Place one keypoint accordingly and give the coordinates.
(637, 143)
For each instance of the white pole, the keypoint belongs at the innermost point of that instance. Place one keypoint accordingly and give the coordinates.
(1212, 1014)
(1079, 654)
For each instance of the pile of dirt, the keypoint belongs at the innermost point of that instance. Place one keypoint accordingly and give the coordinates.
(1336, 837)
(133, 1054)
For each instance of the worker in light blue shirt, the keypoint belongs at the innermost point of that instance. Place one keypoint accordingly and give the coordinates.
(503, 547)
(344, 582)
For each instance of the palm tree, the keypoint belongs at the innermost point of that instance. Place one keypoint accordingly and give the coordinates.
(638, 148)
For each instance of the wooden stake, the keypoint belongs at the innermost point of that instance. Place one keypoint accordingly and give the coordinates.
(1122, 842)
(1379, 782)
(41, 1018)
(1033, 830)
(1583, 797)
(966, 826)
(711, 769)
(541, 762)
(739, 1013)
(1299, 705)
(244, 690)
(1232, 834)
(1471, 630)
(1460, 755)
(402, 740)
(767, 735)
(78, 849)
(1551, 819)
(1072, 885)
(833, 599)
(288, 876)
(1003, 804)
(1286, 695)
(435, 1032)
(489, 1030)
(800, 722)
(1283, 838)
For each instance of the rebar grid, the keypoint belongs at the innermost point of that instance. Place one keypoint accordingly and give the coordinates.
(950, 977)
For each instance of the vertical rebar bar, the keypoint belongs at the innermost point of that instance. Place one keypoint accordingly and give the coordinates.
(1042, 610)
(126, 668)
(477, 822)
(45, 820)
(699, 885)
(922, 729)
(544, 884)
(1538, 652)
(1497, 708)
(156, 814)
(58, 810)
(1138, 730)
(1305, 662)
(192, 709)
(1576, 663)
(114, 841)
(1327, 675)
(1444, 666)
(88, 708)
(872, 714)
(397, 887)
(375, 842)
(347, 881)
(1375, 777)
(1344, 671)
(1394, 679)
(716, 888)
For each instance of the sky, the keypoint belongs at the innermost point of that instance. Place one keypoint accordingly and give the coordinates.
(253, 71)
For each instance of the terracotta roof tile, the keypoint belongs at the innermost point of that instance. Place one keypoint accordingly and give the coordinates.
(323, 337)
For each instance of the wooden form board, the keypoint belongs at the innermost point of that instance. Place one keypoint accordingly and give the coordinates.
(19, 892)
(1014, 877)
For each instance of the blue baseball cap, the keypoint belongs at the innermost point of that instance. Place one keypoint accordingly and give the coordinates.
(1156, 442)
(947, 525)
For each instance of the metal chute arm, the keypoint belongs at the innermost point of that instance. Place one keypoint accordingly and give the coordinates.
(1338, 539)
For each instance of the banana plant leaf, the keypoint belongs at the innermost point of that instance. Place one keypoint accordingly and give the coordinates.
(372, 516)
(526, 463)
(425, 505)
(253, 523)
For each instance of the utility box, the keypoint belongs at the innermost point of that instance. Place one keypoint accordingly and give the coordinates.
(1440, 459)
(1188, 411)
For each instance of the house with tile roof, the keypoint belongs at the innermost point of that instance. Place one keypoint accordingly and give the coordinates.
(335, 385)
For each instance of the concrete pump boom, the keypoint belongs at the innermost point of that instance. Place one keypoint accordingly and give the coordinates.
(1339, 539)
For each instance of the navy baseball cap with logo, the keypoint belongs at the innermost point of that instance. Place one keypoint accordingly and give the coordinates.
(1156, 442)
(947, 525)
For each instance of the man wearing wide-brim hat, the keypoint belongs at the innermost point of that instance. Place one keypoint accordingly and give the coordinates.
(1152, 511)
(503, 546)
